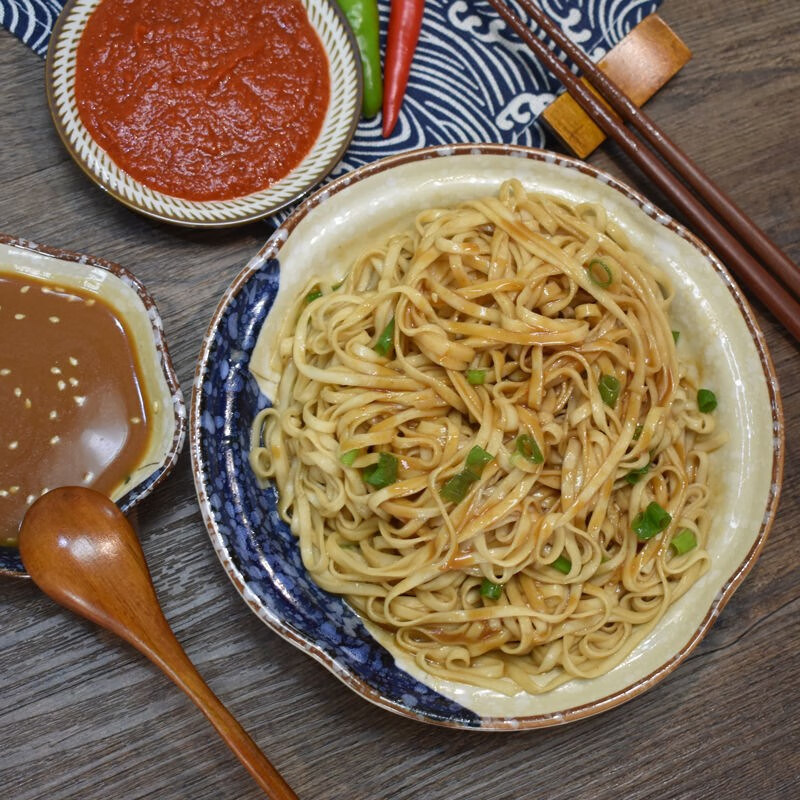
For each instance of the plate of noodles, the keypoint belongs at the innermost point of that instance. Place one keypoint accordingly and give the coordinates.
(488, 435)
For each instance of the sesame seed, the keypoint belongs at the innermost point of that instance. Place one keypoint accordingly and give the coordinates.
(73, 361)
(19, 316)
(55, 370)
(54, 319)
(61, 386)
(88, 477)
(13, 489)
(55, 440)
(13, 445)
(28, 403)
(79, 399)
(25, 289)
(17, 391)
(3, 493)
(30, 498)
(135, 420)
(73, 381)
(5, 371)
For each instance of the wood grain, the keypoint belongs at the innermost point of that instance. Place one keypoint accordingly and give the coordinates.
(84, 717)
(639, 65)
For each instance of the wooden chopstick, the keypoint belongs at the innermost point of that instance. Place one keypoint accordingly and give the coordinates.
(750, 272)
(729, 213)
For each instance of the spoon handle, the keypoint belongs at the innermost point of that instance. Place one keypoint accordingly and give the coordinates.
(171, 658)
(81, 551)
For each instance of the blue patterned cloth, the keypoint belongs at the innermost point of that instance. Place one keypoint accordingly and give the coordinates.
(472, 80)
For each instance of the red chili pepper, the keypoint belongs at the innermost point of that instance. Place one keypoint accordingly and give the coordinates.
(405, 20)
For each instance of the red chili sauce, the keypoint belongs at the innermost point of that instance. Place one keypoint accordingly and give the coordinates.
(73, 408)
(202, 99)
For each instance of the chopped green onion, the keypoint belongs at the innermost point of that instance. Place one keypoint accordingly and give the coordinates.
(646, 524)
(683, 541)
(337, 286)
(477, 459)
(706, 400)
(562, 564)
(386, 340)
(476, 377)
(455, 490)
(609, 389)
(526, 446)
(312, 296)
(490, 589)
(382, 474)
(636, 474)
(675, 336)
(637, 432)
(349, 457)
(600, 278)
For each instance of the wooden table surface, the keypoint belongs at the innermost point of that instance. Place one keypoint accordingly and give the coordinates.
(83, 716)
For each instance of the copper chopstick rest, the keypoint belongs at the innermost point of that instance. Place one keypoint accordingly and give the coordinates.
(772, 293)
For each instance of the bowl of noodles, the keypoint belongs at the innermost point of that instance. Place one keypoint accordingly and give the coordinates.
(488, 435)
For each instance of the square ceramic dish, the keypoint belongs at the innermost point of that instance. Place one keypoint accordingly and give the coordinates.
(137, 310)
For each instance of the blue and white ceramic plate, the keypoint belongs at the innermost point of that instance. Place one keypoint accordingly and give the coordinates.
(258, 551)
(134, 305)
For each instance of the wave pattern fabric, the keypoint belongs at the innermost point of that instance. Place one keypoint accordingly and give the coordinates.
(472, 79)
(31, 21)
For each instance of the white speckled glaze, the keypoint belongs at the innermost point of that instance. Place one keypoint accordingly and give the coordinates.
(719, 332)
(120, 290)
(344, 111)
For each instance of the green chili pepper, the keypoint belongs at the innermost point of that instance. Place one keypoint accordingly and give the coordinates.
(363, 18)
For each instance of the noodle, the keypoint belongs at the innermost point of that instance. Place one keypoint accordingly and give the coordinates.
(484, 440)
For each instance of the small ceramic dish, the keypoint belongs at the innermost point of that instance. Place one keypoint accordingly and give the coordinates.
(341, 120)
(136, 309)
(256, 547)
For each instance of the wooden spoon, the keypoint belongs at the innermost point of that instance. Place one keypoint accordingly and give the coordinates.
(78, 548)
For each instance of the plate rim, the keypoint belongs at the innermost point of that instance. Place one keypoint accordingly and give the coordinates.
(487, 723)
(218, 222)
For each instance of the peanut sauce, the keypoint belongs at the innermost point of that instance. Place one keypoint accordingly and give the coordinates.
(202, 100)
(73, 408)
